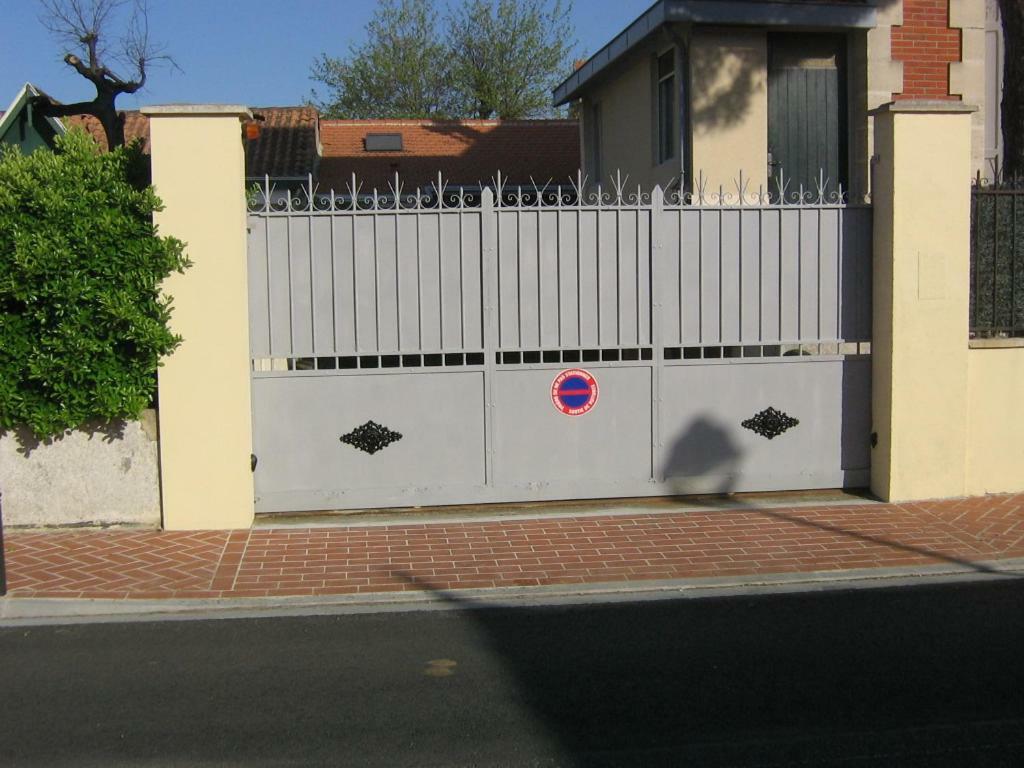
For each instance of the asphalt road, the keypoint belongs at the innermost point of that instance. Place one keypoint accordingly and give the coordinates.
(921, 676)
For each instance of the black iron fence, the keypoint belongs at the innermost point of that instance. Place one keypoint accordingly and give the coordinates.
(997, 259)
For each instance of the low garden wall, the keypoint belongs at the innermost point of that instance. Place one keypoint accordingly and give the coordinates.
(995, 417)
(107, 474)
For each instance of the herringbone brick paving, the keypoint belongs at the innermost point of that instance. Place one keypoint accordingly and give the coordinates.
(539, 551)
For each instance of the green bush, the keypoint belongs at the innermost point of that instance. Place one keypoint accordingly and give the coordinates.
(83, 323)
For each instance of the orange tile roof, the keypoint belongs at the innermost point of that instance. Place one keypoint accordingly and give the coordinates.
(464, 151)
(136, 126)
(287, 143)
(291, 140)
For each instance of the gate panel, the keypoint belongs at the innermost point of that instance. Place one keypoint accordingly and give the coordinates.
(536, 445)
(707, 448)
(573, 277)
(303, 463)
(365, 283)
(766, 274)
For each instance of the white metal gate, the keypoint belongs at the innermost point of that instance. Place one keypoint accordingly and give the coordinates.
(405, 346)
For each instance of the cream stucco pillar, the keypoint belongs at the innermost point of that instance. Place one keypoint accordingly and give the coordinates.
(921, 266)
(205, 415)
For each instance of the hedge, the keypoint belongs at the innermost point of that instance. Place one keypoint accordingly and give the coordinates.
(83, 323)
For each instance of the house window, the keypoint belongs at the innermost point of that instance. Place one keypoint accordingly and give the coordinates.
(596, 170)
(383, 142)
(666, 100)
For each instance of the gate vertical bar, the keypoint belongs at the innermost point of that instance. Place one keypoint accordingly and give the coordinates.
(540, 271)
(334, 288)
(1013, 264)
(558, 269)
(656, 297)
(270, 296)
(995, 258)
(355, 281)
(398, 268)
(489, 278)
(419, 281)
(462, 277)
(739, 262)
(841, 332)
(376, 278)
(820, 287)
(312, 286)
(618, 271)
(291, 298)
(636, 276)
(440, 269)
(800, 269)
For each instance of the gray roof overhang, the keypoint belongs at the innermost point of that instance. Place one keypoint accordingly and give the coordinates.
(10, 115)
(804, 14)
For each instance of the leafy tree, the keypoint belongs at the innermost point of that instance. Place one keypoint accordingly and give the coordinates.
(493, 58)
(83, 323)
(509, 55)
(84, 28)
(400, 71)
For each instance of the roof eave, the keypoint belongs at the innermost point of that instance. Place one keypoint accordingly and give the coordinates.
(767, 13)
(27, 90)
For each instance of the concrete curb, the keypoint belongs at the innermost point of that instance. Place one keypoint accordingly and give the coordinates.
(15, 612)
(520, 513)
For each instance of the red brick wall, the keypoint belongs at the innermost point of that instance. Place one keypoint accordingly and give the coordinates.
(926, 46)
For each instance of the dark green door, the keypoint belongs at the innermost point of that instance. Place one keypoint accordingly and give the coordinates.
(806, 113)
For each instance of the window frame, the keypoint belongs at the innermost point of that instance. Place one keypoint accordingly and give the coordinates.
(596, 169)
(666, 133)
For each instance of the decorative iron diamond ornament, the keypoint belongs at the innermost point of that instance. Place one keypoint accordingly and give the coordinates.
(770, 423)
(371, 437)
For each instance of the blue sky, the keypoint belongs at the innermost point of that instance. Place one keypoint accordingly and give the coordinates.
(256, 52)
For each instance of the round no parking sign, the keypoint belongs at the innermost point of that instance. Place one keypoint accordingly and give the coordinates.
(574, 392)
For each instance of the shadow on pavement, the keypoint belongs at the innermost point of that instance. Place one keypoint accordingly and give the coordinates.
(845, 678)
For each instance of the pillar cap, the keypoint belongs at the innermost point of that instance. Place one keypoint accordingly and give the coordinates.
(198, 110)
(929, 106)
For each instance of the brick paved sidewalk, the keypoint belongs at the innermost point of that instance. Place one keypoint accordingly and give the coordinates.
(521, 552)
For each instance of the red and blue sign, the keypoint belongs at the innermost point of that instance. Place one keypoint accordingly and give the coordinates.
(574, 392)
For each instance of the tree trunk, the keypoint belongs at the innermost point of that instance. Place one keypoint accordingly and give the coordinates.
(1013, 88)
(102, 108)
(113, 127)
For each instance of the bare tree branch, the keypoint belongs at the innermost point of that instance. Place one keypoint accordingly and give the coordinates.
(83, 28)
(68, 110)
